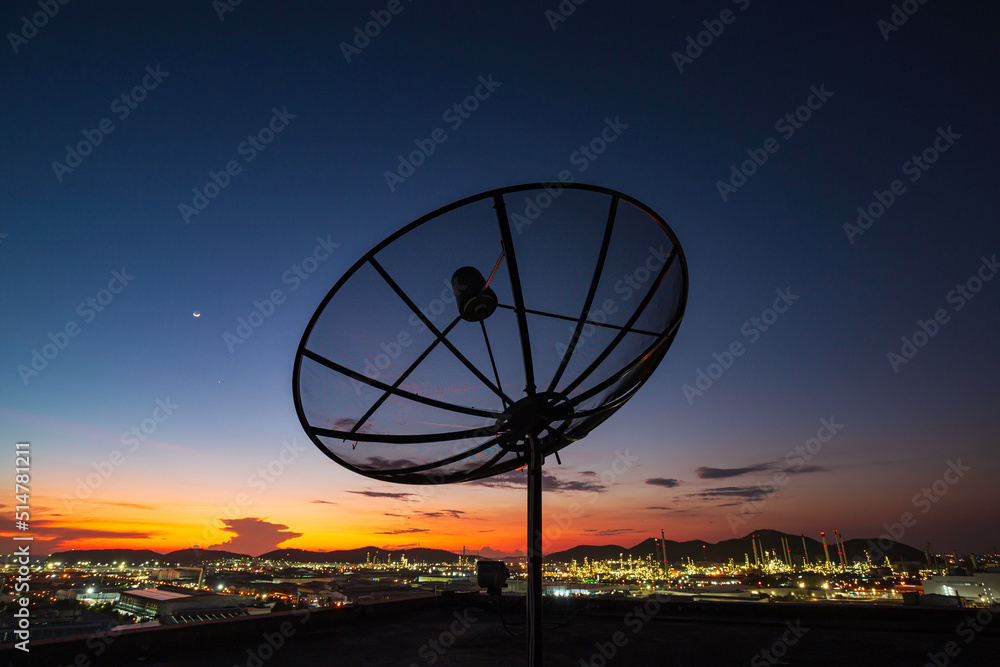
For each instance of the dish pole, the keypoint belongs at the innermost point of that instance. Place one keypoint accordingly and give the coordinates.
(534, 599)
(535, 458)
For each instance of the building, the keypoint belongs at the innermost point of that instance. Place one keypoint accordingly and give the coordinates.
(982, 588)
(149, 603)
(92, 595)
(50, 622)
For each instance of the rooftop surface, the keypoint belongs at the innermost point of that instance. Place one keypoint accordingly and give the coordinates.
(466, 630)
(157, 594)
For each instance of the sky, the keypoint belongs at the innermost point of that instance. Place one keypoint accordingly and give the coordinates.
(828, 168)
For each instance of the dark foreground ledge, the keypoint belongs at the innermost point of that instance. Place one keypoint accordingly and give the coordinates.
(465, 629)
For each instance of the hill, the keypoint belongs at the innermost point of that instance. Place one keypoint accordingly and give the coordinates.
(740, 548)
(361, 555)
(183, 557)
(105, 556)
(195, 557)
(200, 556)
(736, 549)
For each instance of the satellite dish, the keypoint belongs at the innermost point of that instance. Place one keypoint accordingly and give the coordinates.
(489, 334)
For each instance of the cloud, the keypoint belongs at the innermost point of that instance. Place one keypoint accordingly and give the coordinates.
(437, 514)
(551, 483)
(137, 506)
(515, 479)
(383, 494)
(685, 512)
(442, 513)
(490, 552)
(732, 495)
(724, 473)
(518, 479)
(663, 481)
(611, 531)
(730, 492)
(402, 531)
(324, 502)
(807, 469)
(59, 536)
(380, 463)
(346, 424)
(254, 536)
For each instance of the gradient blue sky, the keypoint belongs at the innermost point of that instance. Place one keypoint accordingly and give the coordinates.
(323, 177)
